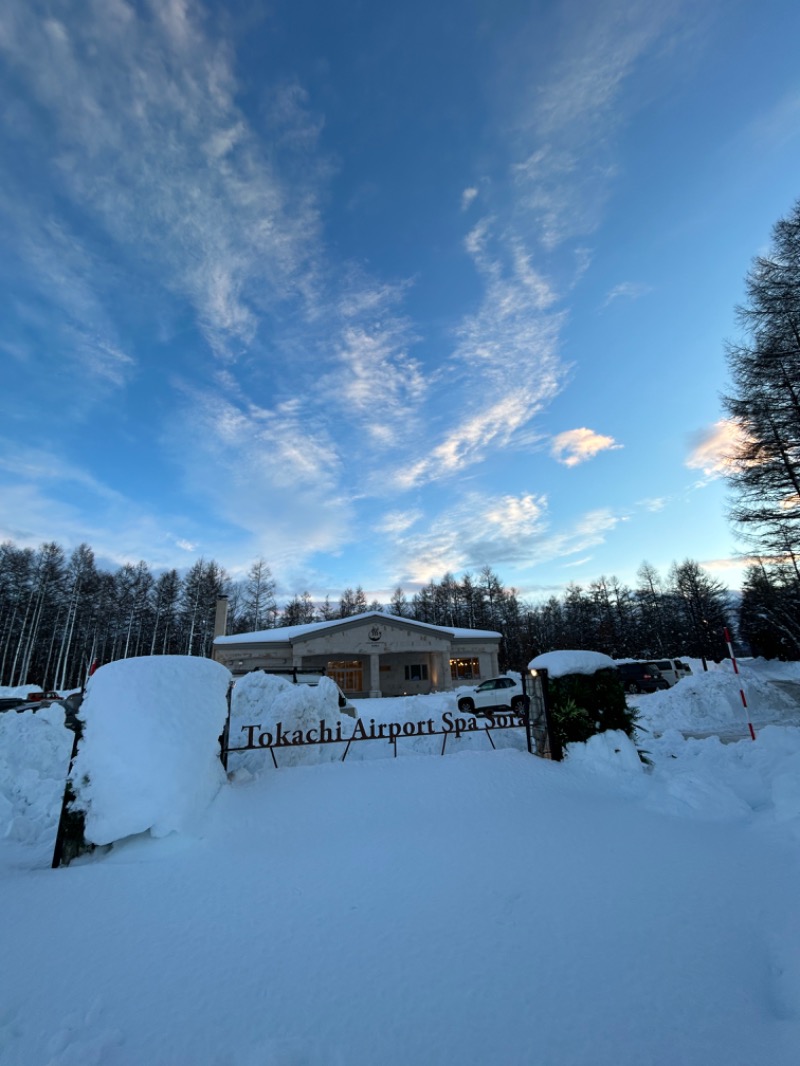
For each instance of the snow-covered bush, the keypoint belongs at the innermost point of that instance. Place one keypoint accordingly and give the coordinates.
(586, 696)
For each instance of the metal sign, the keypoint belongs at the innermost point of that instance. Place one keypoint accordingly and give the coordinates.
(279, 736)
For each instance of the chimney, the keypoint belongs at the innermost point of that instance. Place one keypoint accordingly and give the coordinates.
(221, 617)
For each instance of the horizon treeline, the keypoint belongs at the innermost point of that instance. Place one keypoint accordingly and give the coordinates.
(60, 612)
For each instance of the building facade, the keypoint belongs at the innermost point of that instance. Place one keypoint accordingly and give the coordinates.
(371, 654)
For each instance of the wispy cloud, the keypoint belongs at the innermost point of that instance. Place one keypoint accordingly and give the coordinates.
(627, 290)
(505, 530)
(395, 522)
(277, 471)
(576, 446)
(572, 113)
(776, 127)
(44, 497)
(716, 450)
(149, 140)
(467, 196)
(654, 504)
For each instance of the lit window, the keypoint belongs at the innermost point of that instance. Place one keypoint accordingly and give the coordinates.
(464, 669)
(349, 676)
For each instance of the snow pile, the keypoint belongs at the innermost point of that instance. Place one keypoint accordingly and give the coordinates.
(708, 702)
(18, 691)
(149, 757)
(34, 757)
(768, 669)
(747, 780)
(609, 754)
(283, 709)
(560, 663)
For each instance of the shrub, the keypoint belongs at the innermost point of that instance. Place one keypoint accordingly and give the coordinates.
(584, 704)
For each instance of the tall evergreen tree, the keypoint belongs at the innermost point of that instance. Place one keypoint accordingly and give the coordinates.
(764, 401)
(259, 606)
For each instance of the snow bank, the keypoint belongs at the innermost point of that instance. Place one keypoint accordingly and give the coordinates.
(149, 757)
(560, 663)
(267, 701)
(18, 691)
(609, 754)
(747, 780)
(708, 702)
(768, 669)
(34, 757)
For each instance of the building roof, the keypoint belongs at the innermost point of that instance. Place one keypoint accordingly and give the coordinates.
(286, 634)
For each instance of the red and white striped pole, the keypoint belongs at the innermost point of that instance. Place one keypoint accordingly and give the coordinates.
(741, 690)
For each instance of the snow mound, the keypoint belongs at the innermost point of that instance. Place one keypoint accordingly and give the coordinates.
(706, 702)
(770, 669)
(560, 663)
(267, 701)
(716, 781)
(609, 754)
(149, 757)
(34, 757)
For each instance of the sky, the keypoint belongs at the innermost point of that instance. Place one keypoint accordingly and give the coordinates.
(378, 293)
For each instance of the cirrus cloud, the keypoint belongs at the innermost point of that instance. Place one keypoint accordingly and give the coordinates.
(717, 449)
(575, 446)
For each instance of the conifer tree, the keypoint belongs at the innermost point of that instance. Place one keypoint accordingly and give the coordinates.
(764, 400)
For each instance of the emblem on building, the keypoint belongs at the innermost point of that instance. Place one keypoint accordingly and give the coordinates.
(375, 633)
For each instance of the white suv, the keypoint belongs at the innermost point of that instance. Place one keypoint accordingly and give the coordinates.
(672, 669)
(498, 693)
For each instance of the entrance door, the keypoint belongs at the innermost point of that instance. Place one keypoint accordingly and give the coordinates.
(349, 676)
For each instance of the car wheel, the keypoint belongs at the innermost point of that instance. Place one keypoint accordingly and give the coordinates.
(518, 705)
(466, 705)
(633, 688)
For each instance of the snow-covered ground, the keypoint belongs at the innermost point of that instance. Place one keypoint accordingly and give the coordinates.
(485, 907)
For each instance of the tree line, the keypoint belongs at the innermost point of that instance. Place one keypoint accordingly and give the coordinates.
(59, 613)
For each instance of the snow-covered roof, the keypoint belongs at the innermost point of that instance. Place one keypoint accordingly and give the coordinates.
(286, 634)
(560, 663)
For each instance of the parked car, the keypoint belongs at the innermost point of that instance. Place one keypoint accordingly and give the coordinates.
(10, 703)
(672, 670)
(641, 677)
(496, 694)
(42, 697)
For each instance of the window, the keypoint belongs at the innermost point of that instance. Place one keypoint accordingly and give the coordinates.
(464, 669)
(417, 672)
(347, 675)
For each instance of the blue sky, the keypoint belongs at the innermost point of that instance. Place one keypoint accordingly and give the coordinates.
(378, 292)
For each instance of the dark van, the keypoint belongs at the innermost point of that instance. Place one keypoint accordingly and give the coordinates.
(641, 677)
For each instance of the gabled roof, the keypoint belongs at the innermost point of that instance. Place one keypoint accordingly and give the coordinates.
(287, 634)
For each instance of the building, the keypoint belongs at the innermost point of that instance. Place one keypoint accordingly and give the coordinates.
(371, 654)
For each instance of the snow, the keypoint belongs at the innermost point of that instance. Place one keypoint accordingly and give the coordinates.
(285, 634)
(148, 759)
(34, 756)
(265, 700)
(483, 907)
(560, 663)
(709, 701)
